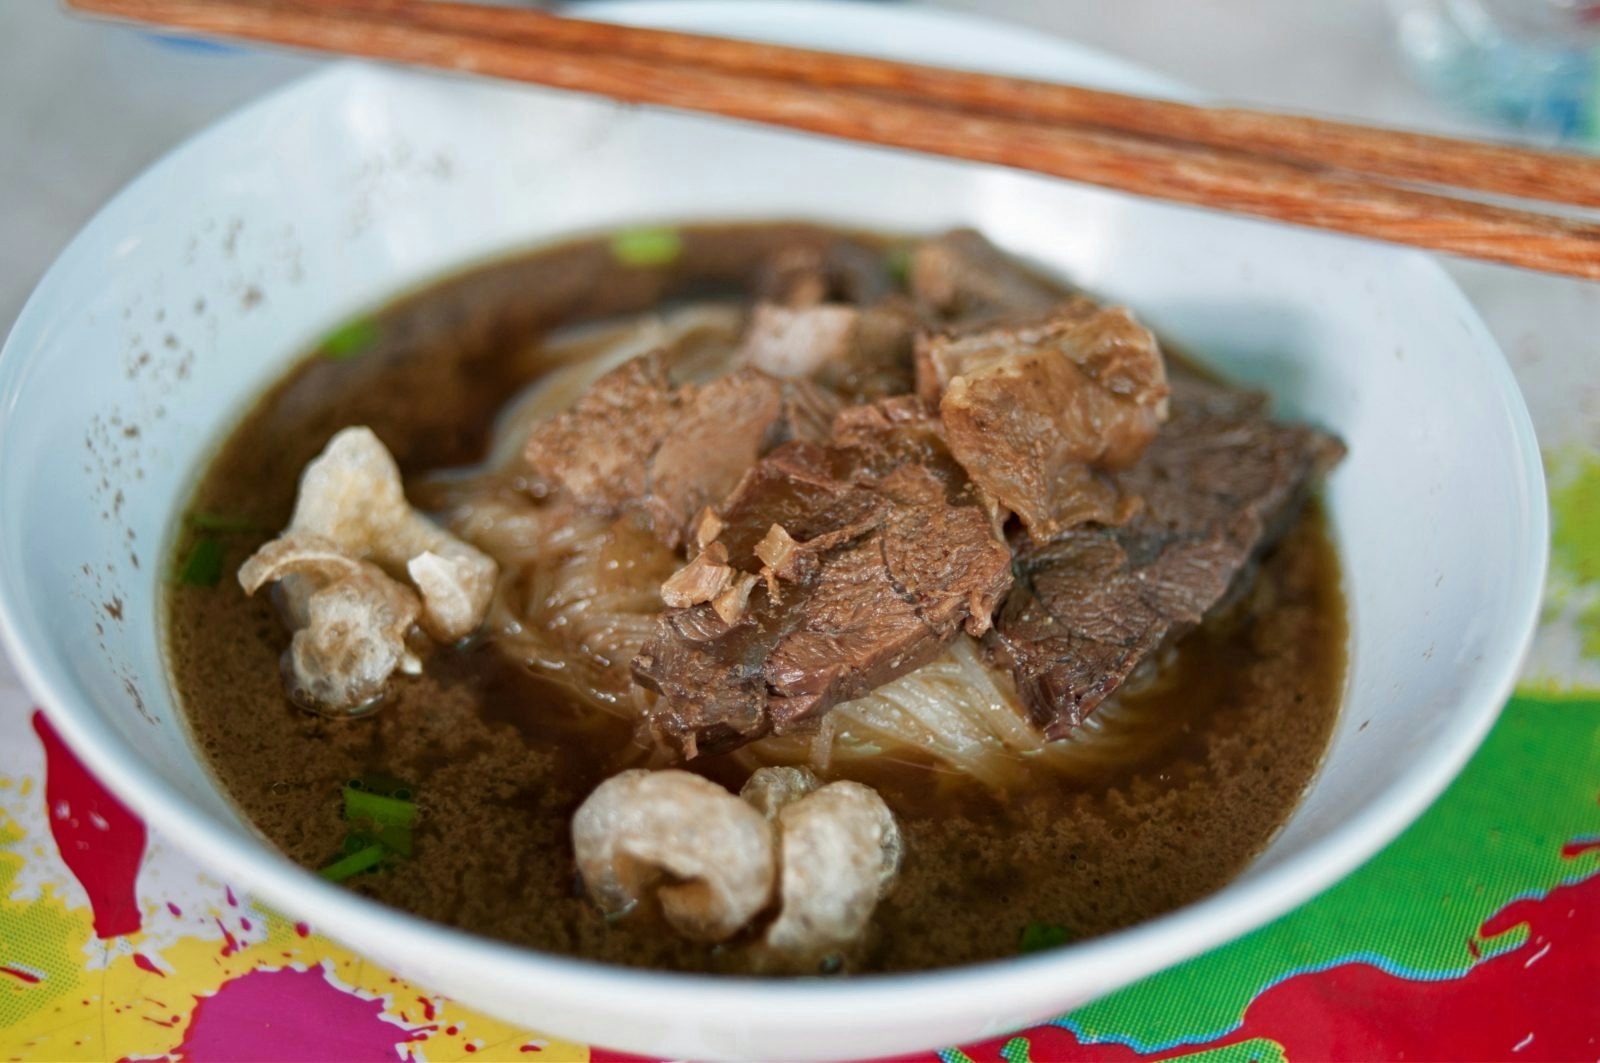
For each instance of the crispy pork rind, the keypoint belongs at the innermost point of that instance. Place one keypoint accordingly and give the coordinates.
(350, 621)
(769, 789)
(641, 827)
(351, 495)
(826, 855)
(338, 564)
(839, 850)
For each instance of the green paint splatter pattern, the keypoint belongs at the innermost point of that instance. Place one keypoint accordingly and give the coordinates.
(1417, 906)
(1575, 542)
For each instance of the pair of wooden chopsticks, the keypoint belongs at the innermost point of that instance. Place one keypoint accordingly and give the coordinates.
(1305, 171)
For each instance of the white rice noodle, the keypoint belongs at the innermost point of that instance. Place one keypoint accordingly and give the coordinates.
(961, 715)
(577, 596)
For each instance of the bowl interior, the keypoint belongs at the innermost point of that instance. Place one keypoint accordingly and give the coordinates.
(194, 288)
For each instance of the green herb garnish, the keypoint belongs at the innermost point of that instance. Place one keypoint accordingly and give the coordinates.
(897, 260)
(381, 814)
(647, 248)
(350, 340)
(203, 566)
(353, 864)
(200, 520)
(396, 841)
(384, 811)
(1036, 937)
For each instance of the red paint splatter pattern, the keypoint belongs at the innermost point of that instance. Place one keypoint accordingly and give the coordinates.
(1536, 1001)
(99, 840)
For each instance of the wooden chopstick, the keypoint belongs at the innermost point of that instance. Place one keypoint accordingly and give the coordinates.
(1555, 177)
(483, 41)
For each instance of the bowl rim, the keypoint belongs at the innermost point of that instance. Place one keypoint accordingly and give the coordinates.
(1241, 906)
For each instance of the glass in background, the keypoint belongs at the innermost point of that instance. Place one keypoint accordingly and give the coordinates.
(1532, 66)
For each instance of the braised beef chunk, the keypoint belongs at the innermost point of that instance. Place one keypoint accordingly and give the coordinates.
(878, 561)
(709, 676)
(634, 441)
(720, 428)
(805, 488)
(900, 429)
(806, 411)
(599, 451)
(1031, 408)
(1219, 484)
(961, 277)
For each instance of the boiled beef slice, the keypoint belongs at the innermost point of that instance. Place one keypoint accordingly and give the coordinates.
(1220, 483)
(720, 429)
(897, 561)
(599, 451)
(635, 441)
(1034, 410)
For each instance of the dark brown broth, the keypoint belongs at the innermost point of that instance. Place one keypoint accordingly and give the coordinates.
(500, 757)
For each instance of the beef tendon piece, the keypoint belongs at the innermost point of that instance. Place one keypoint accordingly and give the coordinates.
(884, 558)
(1220, 484)
(1034, 411)
(636, 442)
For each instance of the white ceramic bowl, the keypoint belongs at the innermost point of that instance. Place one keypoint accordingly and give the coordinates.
(191, 291)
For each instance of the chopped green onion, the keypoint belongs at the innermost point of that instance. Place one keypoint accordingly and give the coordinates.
(646, 248)
(350, 340)
(395, 840)
(1036, 937)
(382, 822)
(897, 260)
(385, 811)
(203, 566)
(357, 862)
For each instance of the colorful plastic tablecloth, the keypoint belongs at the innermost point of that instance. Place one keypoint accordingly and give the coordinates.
(1476, 935)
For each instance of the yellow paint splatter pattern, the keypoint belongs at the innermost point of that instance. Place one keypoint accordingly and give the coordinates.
(66, 996)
